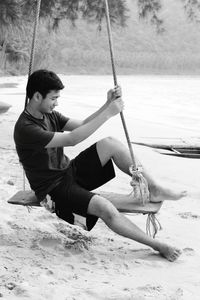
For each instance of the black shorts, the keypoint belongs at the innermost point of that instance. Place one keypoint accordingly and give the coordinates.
(73, 194)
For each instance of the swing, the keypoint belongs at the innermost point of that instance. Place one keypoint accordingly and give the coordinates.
(27, 197)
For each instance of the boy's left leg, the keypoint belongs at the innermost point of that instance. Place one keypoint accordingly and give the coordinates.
(110, 148)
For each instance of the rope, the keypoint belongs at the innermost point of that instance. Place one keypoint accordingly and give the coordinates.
(152, 225)
(32, 56)
(115, 83)
(35, 30)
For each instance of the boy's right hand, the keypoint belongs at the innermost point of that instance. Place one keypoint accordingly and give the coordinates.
(114, 101)
(113, 94)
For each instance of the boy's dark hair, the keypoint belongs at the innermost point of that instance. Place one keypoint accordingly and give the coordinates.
(43, 81)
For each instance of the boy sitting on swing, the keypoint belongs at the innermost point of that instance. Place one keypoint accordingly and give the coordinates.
(40, 135)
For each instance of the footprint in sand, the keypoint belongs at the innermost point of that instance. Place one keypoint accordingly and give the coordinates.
(51, 243)
(21, 291)
(76, 246)
(189, 251)
(67, 246)
(6, 241)
(150, 288)
(189, 215)
(10, 285)
(158, 292)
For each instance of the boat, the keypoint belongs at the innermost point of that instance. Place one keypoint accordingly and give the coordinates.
(4, 107)
(182, 147)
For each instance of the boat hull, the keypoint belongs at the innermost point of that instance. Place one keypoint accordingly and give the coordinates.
(181, 147)
(4, 107)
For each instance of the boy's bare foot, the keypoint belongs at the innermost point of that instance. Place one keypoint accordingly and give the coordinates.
(155, 194)
(158, 194)
(169, 252)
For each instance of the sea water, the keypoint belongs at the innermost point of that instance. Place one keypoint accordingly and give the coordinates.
(166, 104)
(169, 105)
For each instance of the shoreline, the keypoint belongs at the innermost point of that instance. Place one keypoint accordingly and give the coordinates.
(161, 73)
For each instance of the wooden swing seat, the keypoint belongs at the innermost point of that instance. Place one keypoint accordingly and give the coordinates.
(28, 198)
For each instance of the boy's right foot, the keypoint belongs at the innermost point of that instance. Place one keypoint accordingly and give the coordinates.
(158, 194)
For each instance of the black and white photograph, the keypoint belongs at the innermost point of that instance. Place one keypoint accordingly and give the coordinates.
(99, 149)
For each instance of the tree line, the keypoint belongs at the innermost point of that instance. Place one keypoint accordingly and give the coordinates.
(17, 17)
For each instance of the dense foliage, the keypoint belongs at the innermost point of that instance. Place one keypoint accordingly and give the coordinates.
(17, 17)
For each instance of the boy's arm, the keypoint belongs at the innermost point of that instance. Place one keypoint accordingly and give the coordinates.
(111, 95)
(86, 129)
(74, 123)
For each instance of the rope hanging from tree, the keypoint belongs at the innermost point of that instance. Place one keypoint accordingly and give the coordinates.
(33, 45)
(138, 180)
(32, 56)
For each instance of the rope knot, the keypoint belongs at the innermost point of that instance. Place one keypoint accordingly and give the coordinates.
(139, 184)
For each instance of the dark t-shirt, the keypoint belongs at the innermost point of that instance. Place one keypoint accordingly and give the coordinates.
(44, 167)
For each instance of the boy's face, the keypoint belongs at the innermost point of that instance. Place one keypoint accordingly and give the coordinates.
(48, 103)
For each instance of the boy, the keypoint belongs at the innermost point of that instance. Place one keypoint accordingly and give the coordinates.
(40, 135)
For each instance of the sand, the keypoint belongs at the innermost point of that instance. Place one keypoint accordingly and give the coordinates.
(43, 257)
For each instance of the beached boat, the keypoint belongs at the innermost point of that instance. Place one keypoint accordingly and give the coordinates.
(182, 147)
(4, 107)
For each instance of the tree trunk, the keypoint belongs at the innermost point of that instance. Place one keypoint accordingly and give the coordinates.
(3, 56)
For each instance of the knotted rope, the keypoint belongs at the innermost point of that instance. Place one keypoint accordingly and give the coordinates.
(152, 225)
(139, 183)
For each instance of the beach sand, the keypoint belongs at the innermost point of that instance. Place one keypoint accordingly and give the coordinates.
(43, 257)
